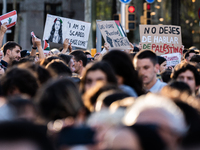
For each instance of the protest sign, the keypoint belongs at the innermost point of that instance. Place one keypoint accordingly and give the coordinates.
(172, 59)
(57, 29)
(162, 39)
(10, 18)
(113, 34)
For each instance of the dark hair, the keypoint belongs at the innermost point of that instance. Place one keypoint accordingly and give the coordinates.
(195, 58)
(180, 68)
(14, 131)
(79, 55)
(20, 79)
(103, 66)
(165, 75)
(147, 54)
(181, 86)
(188, 52)
(148, 137)
(122, 65)
(65, 58)
(59, 32)
(42, 74)
(59, 99)
(58, 67)
(108, 100)
(72, 136)
(20, 105)
(161, 59)
(87, 53)
(48, 59)
(10, 45)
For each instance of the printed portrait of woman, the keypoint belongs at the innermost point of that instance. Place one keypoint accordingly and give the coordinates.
(56, 32)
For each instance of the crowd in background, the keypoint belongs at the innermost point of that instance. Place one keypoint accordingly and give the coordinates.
(117, 100)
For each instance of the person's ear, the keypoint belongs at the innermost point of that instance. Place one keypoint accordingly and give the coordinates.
(156, 68)
(80, 63)
(8, 52)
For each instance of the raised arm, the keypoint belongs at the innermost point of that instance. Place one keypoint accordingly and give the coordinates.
(34, 48)
(39, 47)
(2, 32)
(65, 46)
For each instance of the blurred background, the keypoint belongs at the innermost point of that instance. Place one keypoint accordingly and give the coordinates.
(32, 16)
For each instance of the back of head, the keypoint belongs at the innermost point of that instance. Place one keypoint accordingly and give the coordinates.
(147, 54)
(166, 75)
(195, 59)
(164, 113)
(186, 55)
(181, 86)
(79, 55)
(58, 68)
(148, 137)
(24, 135)
(42, 74)
(65, 58)
(10, 45)
(47, 60)
(122, 64)
(161, 59)
(19, 80)
(59, 99)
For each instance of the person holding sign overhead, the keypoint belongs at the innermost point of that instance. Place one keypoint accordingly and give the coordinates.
(56, 32)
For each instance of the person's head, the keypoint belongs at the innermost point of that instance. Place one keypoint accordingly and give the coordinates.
(195, 59)
(80, 60)
(42, 75)
(94, 72)
(161, 111)
(137, 137)
(107, 98)
(122, 65)
(47, 60)
(181, 86)
(188, 73)
(21, 135)
(188, 55)
(102, 122)
(146, 63)
(165, 75)
(24, 108)
(163, 63)
(18, 81)
(58, 68)
(11, 51)
(68, 60)
(59, 99)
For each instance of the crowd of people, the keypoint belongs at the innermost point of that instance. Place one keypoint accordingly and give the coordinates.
(116, 100)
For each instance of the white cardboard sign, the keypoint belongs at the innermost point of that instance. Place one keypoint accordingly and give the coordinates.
(57, 29)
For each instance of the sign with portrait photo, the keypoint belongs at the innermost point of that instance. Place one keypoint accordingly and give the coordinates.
(162, 39)
(57, 29)
(113, 34)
